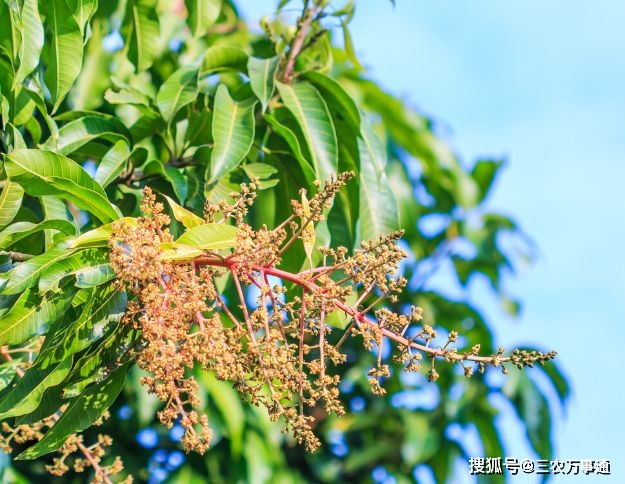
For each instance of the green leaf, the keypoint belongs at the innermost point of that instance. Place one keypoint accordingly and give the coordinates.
(177, 91)
(484, 173)
(83, 11)
(46, 173)
(64, 50)
(71, 266)
(173, 251)
(94, 365)
(19, 230)
(173, 175)
(81, 131)
(184, 216)
(312, 115)
(31, 42)
(105, 307)
(421, 441)
(233, 134)
(100, 236)
(95, 275)
(378, 212)
(349, 47)
(140, 31)
(337, 99)
(81, 413)
(113, 163)
(27, 273)
(26, 395)
(8, 370)
(32, 314)
(533, 410)
(10, 202)
(223, 57)
(202, 15)
(210, 236)
(262, 74)
(289, 136)
(228, 402)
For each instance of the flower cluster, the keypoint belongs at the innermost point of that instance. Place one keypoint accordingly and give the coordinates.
(278, 351)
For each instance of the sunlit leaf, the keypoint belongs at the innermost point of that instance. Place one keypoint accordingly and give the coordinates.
(177, 91)
(31, 315)
(233, 133)
(262, 74)
(10, 202)
(19, 230)
(141, 32)
(210, 236)
(113, 163)
(46, 173)
(63, 52)
(184, 216)
(222, 57)
(202, 15)
(312, 115)
(81, 131)
(31, 40)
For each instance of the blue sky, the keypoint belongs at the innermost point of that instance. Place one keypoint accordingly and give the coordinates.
(542, 84)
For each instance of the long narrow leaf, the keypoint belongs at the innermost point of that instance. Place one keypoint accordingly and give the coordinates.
(32, 40)
(46, 173)
(81, 413)
(141, 32)
(19, 230)
(28, 392)
(202, 15)
(233, 133)
(311, 113)
(10, 202)
(177, 91)
(27, 273)
(64, 51)
(21, 323)
(262, 73)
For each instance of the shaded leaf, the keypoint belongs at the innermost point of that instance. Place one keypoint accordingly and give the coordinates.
(81, 413)
(105, 307)
(26, 395)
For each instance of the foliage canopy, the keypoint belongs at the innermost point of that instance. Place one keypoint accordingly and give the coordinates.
(196, 216)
